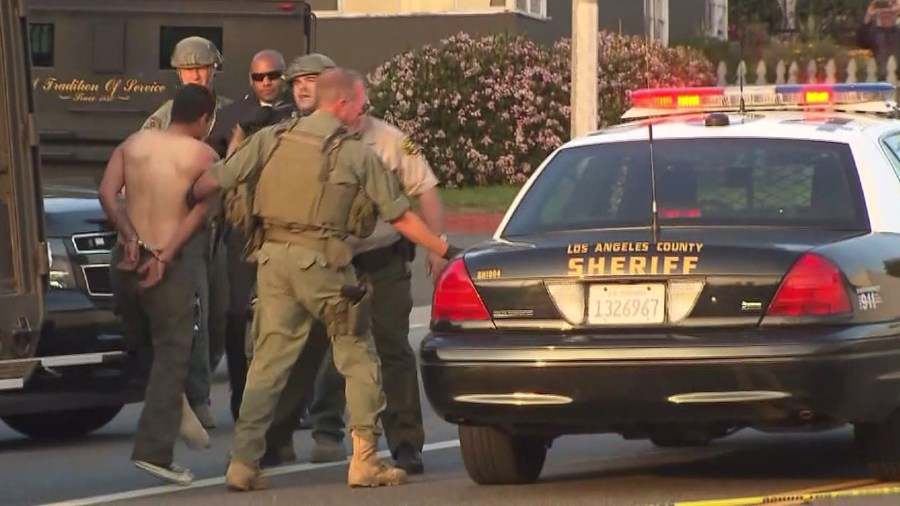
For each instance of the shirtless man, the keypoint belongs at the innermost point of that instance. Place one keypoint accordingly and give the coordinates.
(157, 249)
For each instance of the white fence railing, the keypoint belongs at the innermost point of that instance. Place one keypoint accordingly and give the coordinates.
(790, 72)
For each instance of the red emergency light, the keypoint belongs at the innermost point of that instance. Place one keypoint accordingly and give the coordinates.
(802, 95)
(679, 213)
(678, 98)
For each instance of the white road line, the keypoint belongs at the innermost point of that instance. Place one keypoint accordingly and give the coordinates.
(212, 482)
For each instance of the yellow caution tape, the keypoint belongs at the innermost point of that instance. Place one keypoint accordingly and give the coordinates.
(792, 497)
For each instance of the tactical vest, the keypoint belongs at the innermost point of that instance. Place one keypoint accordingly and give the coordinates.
(297, 190)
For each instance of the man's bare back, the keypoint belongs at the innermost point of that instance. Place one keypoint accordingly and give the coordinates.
(159, 167)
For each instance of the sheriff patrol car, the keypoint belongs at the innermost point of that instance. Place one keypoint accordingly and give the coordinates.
(728, 258)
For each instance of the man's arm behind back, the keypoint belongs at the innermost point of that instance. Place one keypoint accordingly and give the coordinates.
(200, 160)
(383, 188)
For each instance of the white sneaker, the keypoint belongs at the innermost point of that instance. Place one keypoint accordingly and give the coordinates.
(173, 474)
(192, 432)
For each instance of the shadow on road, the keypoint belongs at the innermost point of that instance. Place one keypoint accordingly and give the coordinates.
(75, 443)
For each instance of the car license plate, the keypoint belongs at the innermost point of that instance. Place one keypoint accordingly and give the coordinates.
(622, 304)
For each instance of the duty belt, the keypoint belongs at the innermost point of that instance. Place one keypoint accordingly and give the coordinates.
(376, 259)
(299, 238)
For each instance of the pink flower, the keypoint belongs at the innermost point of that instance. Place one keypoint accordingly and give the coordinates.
(488, 110)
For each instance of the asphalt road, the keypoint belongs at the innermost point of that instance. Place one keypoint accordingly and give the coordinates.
(591, 469)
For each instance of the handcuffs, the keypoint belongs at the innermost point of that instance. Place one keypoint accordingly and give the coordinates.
(153, 251)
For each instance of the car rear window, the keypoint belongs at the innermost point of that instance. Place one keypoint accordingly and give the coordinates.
(699, 182)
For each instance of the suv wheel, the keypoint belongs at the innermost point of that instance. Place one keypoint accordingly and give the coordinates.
(879, 444)
(62, 424)
(493, 457)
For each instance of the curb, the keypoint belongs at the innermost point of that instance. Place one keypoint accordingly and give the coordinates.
(472, 223)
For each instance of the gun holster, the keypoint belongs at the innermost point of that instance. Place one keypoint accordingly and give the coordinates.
(359, 307)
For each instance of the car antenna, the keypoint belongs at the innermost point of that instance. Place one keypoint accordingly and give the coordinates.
(741, 65)
(654, 224)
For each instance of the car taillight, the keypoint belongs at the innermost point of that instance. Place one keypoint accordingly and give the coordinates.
(813, 286)
(455, 297)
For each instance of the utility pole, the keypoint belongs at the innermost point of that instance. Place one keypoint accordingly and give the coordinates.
(585, 25)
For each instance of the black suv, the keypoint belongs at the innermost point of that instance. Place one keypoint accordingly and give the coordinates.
(81, 374)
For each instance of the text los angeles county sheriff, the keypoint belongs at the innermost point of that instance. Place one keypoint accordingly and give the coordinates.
(665, 258)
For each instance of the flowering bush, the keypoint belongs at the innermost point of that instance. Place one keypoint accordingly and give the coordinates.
(488, 110)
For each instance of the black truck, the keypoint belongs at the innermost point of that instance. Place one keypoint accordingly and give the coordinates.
(65, 369)
(78, 375)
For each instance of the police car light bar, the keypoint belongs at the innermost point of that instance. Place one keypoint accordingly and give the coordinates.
(797, 95)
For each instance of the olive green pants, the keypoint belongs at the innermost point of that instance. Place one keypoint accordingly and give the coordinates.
(158, 324)
(300, 382)
(294, 288)
(241, 282)
(402, 418)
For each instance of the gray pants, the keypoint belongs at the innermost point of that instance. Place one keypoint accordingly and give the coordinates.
(241, 282)
(211, 285)
(158, 325)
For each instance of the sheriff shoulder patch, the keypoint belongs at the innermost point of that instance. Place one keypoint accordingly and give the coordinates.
(154, 123)
(410, 148)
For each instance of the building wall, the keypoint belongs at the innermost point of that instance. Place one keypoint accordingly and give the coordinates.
(626, 17)
(381, 7)
(386, 35)
(364, 43)
(687, 20)
(557, 25)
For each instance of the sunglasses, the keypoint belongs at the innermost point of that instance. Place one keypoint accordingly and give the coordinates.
(259, 76)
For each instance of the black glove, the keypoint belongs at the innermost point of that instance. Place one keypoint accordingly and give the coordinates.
(264, 117)
(452, 252)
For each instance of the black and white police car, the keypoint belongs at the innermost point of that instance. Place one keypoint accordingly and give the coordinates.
(728, 258)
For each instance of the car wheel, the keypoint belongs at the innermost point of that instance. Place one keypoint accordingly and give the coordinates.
(493, 457)
(62, 424)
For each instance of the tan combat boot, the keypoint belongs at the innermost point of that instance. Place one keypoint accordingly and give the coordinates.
(243, 478)
(367, 470)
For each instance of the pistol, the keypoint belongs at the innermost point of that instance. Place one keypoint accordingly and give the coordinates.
(354, 293)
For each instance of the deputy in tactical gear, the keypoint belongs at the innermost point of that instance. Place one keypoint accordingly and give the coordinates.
(302, 75)
(385, 256)
(292, 411)
(196, 60)
(315, 186)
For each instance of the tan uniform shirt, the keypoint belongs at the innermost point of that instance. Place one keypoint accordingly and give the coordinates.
(401, 156)
(354, 157)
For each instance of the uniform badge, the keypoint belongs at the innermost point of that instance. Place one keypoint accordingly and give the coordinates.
(410, 148)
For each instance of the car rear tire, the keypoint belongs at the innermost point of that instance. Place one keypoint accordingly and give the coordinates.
(880, 447)
(62, 424)
(494, 457)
